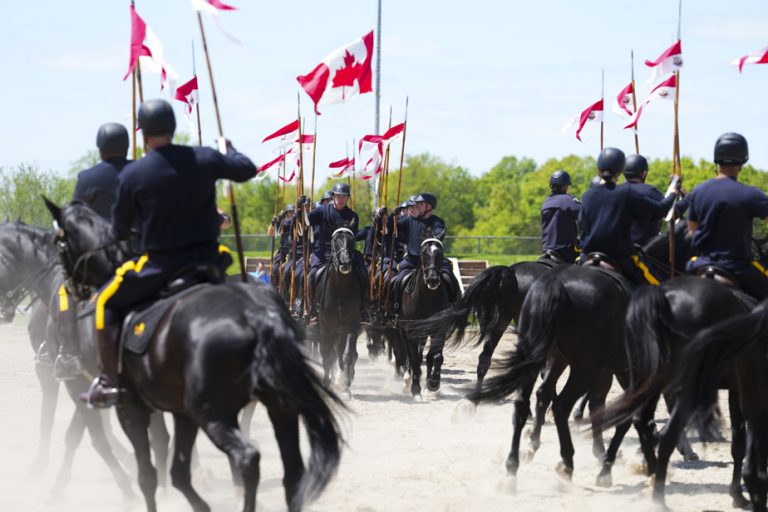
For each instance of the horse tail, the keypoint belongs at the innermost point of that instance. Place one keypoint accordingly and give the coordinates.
(545, 301)
(480, 301)
(649, 334)
(280, 366)
(706, 359)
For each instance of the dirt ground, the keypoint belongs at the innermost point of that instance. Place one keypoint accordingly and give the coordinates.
(400, 455)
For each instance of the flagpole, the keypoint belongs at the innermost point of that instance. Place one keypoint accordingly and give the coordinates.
(634, 98)
(282, 203)
(602, 98)
(275, 223)
(197, 109)
(133, 117)
(297, 217)
(354, 180)
(397, 203)
(676, 164)
(228, 187)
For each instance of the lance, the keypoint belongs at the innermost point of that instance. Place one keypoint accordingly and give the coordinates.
(275, 226)
(229, 189)
(634, 97)
(383, 226)
(354, 181)
(602, 98)
(377, 201)
(133, 116)
(197, 107)
(306, 230)
(280, 265)
(312, 183)
(393, 242)
(676, 163)
(297, 216)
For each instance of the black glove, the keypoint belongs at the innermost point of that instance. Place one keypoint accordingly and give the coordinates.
(381, 212)
(301, 201)
(396, 210)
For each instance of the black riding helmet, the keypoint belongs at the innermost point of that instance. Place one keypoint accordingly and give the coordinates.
(290, 208)
(559, 179)
(731, 149)
(112, 139)
(340, 189)
(426, 197)
(327, 195)
(636, 166)
(411, 201)
(610, 162)
(156, 118)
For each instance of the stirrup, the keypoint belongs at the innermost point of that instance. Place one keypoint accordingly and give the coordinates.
(88, 396)
(67, 366)
(43, 355)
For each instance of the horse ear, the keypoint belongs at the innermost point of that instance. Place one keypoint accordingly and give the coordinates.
(54, 209)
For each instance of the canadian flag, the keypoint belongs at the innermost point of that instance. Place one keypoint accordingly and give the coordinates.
(593, 112)
(760, 57)
(145, 45)
(667, 62)
(212, 8)
(624, 101)
(341, 167)
(344, 73)
(187, 93)
(664, 91)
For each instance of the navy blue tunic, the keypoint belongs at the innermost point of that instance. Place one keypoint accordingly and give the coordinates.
(607, 213)
(329, 219)
(415, 230)
(641, 231)
(97, 186)
(724, 209)
(559, 215)
(172, 190)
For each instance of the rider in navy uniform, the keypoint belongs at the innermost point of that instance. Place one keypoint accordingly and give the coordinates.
(97, 188)
(635, 174)
(720, 218)
(415, 229)
(607, 213)
(281, 226)
(172, 190)
(559, 214)
(329, 218)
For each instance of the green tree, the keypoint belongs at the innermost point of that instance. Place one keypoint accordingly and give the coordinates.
(23, 187)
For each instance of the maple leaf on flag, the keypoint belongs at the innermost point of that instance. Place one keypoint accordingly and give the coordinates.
(346, 76)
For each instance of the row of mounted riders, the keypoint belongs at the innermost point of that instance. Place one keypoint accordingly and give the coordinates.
(683, 337)
(208, 337)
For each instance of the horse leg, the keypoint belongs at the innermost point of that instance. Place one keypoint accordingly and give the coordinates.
(327, 355)
(738, 448)
(667, 441)
(544, 396)
(578, 383)
(435, 356)
(604, 478)
(134, 418)
(683, 445)
(596, 402)
(522, 408)
(490, 342)
(286, 426)
(415, 350)
(646, 433)
(225, 434)
(578, 414)
(185, 432)
(72, 440)
(159, 440)
(350, 358)
(50, 389)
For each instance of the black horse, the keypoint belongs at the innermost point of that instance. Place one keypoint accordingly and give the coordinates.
(214, 351)
(338, 293)
(577, 312)
(733, 350)
(29, 263)
(424, 294)
(660, 322)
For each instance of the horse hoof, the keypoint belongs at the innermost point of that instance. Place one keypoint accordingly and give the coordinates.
(563, 471)
(691, 457)
(417, 397)
(604, 479)
(433, 386)
(507, 484)
(464, 410)
(528, 456)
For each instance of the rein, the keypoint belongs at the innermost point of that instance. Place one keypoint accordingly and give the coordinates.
(80, 289)
(15, 295)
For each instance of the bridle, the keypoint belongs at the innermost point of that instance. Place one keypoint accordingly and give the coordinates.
(80, 288)
(11, 299)
(337, 252)
(429, 242)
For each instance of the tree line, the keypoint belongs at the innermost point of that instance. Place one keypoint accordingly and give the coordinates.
(503, 201)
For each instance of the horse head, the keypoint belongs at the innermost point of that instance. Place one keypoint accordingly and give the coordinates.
(431, 262)
(26, 255)
(342, 245)
(87, 249)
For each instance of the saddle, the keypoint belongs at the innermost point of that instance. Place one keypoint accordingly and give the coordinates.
(718, 274)
(607, 266)
(141, 321)
(550, 259)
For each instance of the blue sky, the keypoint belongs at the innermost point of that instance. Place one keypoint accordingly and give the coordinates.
(486, 78)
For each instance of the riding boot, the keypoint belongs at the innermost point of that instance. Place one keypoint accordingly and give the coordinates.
(68, 364)
(104, 392)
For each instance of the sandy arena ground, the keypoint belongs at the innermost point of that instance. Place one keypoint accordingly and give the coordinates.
(401, 455)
